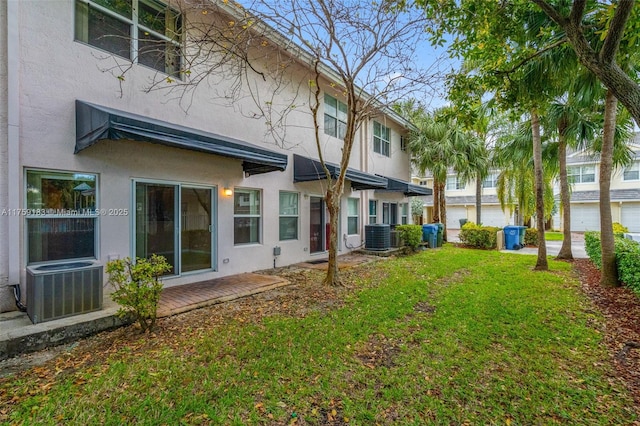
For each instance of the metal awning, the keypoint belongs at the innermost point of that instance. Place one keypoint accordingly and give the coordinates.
(95, 123)
(408, 189)
(307, 169)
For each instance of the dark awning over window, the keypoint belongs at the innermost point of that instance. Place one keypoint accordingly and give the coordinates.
(307, 169)
(95, 123)
(408, 189)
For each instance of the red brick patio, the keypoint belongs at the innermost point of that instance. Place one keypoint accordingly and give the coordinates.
(183, 298)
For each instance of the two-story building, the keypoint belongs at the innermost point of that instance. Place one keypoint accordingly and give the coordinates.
(95, 166)
(583, 170)
(461, 202)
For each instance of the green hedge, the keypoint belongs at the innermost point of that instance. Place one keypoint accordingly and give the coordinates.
(627, 258)
(531, 237)
(592, 247)
(478, 236)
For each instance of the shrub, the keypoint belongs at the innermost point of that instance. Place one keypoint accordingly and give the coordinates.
(592, 247)
(137, 287)
(619, 229)
(628, 263)
(411, 235)
(478, 236)
(627, 258)
(531, 237)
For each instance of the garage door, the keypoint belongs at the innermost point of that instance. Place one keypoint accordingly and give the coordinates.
(454, 214)
(493, 216)
(585, 217)
(631, 216)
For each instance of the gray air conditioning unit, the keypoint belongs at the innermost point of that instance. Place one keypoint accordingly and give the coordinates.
(63, 289)
(377, 236)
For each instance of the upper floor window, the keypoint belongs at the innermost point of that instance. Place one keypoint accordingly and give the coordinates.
(288, 215)
(632, 172)
(246, 216)
(381, 139)
(145, 31)
(453, 183)
(582, 174)
(490, 181)
(335, 117)
(403, 143)
(61, 219)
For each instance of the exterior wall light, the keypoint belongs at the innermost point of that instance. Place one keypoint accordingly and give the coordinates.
(228, 192)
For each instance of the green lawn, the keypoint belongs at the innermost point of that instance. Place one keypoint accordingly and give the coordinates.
(448, 336)
(553, 236)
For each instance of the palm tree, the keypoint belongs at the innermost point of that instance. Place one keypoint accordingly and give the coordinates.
(438, 145)
(516, 181)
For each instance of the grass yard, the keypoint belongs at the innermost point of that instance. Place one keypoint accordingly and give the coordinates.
(553, 236)
(448, 336)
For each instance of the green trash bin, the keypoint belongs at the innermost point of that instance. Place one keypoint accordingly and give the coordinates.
(523, 230)
(440, 232)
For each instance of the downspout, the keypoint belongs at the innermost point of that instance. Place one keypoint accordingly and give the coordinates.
(13, 140)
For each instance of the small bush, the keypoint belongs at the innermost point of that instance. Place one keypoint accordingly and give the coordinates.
(137, 287)
(531, 237)
(619, 229)
(592, 247)
(411, 235)
(483, 237)
(628, 263)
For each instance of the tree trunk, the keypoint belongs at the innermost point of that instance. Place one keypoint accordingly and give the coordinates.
(609, 272)
(541, 263)
(332, 198)
(478, 200)
(565, 198)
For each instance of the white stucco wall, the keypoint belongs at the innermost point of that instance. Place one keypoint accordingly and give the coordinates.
(55, 70)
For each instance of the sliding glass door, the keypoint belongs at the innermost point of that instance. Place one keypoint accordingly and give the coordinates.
(175, 221)
(195, 247)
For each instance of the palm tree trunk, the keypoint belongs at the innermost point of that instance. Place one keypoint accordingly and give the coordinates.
(478, 200)
(565, 199)
(436, 201)
(609, 272)
(443, 211)
(541, 263)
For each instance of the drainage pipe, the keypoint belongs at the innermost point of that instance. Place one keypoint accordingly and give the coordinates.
(13, 139)
(17, 295)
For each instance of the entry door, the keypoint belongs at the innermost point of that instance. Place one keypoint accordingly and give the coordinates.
(195, 236)
(318, 225)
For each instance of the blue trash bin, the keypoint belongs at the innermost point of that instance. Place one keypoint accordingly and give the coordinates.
(430, 235)
(512, 237)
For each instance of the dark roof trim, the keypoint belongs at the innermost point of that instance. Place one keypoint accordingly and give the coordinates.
(95, 123)
(307, 169)
(408, 189)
